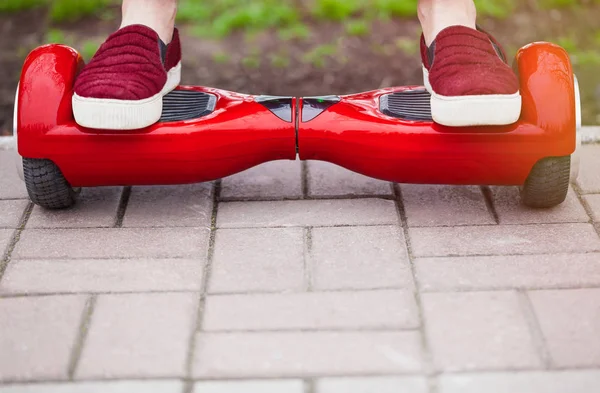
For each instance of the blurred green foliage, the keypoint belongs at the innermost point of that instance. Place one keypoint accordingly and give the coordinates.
(60, 10)
(218, 18)
(18, 5)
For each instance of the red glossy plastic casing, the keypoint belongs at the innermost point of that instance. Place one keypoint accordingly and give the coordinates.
(238, 135)
(242, 133)
(357, 135)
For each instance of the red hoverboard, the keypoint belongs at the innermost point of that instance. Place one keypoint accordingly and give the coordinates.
(206, 134)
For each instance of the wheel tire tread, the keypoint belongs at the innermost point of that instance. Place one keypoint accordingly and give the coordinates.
(46, 185)
(548, 183)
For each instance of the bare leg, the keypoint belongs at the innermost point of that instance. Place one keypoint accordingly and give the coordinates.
(159, 15)
(436, 15)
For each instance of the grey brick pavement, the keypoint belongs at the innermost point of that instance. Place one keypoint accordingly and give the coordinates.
(300, 278)
(97, 208)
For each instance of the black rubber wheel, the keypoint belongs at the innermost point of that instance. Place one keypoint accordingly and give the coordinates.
(548, 183)
(46, 185)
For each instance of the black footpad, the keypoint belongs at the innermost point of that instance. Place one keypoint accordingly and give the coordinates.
(181, 105)
(414, 105)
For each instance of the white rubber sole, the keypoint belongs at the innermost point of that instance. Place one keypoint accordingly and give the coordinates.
(480, 110)
(110, 114)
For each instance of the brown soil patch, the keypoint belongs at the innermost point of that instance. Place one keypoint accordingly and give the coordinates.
(266, 64)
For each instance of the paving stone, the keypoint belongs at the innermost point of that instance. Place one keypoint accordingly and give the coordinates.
(482, 330)
(170, 206)
(138, 335)
(589, 176)
(372, 385)
(320, 310)
(7, 143)
(570, 322)
(276, 386)
(359, 258)
(504, 239)
(276, 179)
(299, 354)
(37, 335)
(326, 179)
(95, 208)
(112, 243)
(575, 381)
(307, 213)
(511, 211)
(433, 205)
(102, 275)
(502, 272)
(258, 260)
(11, 212)
(593, 202)
(5, 237)
(11, 186)
(160, 386)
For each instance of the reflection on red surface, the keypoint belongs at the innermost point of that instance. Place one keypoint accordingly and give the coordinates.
(242, 133)
(238, 135)
(357, 136)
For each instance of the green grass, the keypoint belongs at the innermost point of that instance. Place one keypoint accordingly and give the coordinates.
(319, 55)
(61, 10)
(219, 18)
(72, 10)
(357, 27)
(19, 5)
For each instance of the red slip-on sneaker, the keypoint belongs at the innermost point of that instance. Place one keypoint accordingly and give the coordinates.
(123, 86)
(470, 82)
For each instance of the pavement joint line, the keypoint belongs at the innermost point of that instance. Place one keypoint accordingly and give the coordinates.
(215, 294)
(310, 386)
(506, 255)
(413, 226)
(84, 326)
(289, 377)
(8, 295)
(515, 288)
(427, 356)
(308, 259)
(305, 185)
(535, 329)
(199, 320)
(16, 236)
(313, 226)
(586, 207)
(387, 197)
(123, 203)
(359, 329)
(188, 386)
(174, 258)
(488, 196)
(113, 227)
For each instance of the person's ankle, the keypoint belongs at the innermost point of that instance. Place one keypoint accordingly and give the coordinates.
(432, 33)
(437, 15)
(164, 33)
